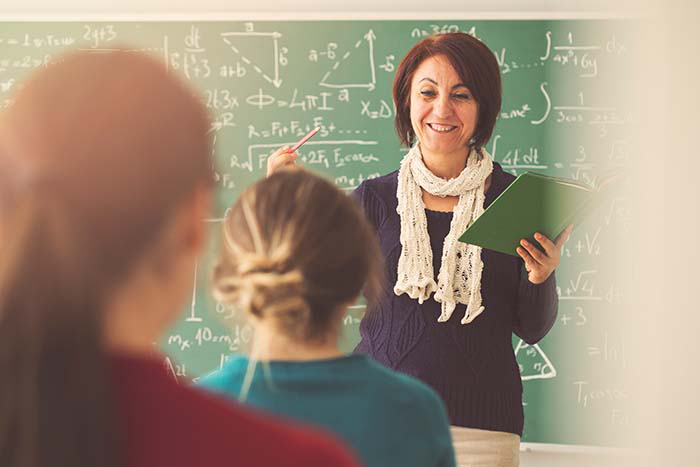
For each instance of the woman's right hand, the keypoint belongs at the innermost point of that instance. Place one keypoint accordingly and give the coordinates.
(281, 158)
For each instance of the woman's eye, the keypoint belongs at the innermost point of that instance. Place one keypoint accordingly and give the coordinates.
(462, 96)
(427, 93)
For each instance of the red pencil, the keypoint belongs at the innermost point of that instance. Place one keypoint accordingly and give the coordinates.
(304, 139)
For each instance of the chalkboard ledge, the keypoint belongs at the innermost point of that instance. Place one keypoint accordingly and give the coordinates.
(576, 449)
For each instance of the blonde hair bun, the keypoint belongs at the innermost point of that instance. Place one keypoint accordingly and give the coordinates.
(265, 288)
(296, 249)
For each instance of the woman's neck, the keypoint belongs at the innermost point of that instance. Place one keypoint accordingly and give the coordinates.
(446, 166)
(270, 345)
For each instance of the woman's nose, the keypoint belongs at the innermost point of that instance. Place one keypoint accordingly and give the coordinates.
(443, 107)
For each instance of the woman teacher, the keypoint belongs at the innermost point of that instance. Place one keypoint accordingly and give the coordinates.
(449, 308)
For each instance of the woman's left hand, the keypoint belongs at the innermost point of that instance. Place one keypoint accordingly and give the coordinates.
(540, 264)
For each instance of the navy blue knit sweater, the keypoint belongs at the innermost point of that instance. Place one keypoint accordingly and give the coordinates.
(471, 366)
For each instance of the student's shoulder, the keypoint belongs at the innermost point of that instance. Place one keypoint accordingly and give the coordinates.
(417, 411)
(252, 434)
(293, 445)
(310, 447)
(228, 377)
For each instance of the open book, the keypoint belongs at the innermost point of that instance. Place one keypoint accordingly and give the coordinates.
(536, 203)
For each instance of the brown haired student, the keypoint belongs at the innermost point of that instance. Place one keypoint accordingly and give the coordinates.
(104, 180)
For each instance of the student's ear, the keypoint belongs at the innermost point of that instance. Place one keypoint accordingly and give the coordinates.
(197, 208)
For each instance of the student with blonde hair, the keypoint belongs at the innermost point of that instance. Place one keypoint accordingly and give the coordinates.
(296, 253)
(105, 177)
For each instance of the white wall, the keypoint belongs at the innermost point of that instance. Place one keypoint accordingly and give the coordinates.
(430, 8)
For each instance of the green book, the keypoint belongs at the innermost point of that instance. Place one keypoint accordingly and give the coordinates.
(533, 203)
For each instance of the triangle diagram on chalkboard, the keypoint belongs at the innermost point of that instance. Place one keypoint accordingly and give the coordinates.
(355, 67)
(533, 362)
(259, 51)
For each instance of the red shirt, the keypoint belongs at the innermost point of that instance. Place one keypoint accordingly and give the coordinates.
(164, 423)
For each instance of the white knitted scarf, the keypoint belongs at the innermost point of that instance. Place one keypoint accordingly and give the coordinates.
(459, 278)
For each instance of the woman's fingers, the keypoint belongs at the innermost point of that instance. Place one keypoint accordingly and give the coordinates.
(563, 236)
(534, 252)
(280, 158)
(540, 264)
(553, 249)
(529, 262)
(536, 272)
(549, 247)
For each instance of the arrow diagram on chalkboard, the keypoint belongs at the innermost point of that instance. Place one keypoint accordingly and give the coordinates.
(368, 39)
(234, 40)
(533, 362)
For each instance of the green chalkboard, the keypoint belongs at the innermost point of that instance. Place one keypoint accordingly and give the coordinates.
(269, 82)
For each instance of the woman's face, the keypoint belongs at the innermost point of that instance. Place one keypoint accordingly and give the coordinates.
(443, 111)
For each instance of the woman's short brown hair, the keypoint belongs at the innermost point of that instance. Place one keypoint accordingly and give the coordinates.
(476, 66)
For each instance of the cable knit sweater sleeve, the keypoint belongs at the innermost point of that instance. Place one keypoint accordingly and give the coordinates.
(537, 308)
(372, 206)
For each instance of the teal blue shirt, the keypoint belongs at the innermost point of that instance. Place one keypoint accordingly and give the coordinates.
(388, 418)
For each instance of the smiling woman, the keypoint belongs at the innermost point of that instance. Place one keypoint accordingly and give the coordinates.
(447, 93)
(443, 111)
(457, 63)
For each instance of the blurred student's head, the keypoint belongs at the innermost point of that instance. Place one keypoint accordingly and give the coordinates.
(104, 166)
